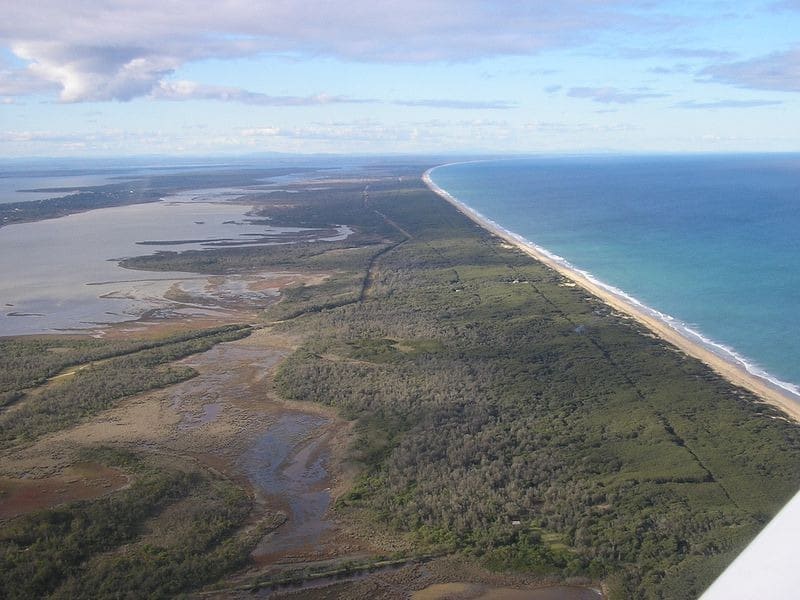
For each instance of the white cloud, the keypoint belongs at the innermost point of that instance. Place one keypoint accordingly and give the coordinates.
(95, 73)
(365, 130)
(336, 136)
(56, 137)
(22, 82)
(126, 48)
(261, 132)
(478, 133)
(190, 90)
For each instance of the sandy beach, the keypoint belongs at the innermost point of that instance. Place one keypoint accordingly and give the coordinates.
(733, 372)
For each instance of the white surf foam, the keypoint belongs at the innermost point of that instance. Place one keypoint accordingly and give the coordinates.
(687, 331)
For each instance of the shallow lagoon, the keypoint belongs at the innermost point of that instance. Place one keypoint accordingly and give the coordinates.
(15, 189)
(17, 185)
(63, 274)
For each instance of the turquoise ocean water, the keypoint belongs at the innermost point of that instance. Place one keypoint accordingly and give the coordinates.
(712, 242)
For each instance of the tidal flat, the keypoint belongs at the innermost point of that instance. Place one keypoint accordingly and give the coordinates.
(64, 274)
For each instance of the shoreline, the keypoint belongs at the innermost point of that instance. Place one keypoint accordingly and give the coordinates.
(735, 372)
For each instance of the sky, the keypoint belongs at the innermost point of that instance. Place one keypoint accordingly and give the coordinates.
(226, 77)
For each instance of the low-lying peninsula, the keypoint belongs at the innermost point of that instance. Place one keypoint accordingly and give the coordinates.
(462, 418)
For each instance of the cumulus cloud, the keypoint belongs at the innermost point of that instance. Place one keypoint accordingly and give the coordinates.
(549, 127)
(35, 136)
(347, 135)
(371, 130)
(778, 71)
(126, 48)
(261, 132)
(59, 137)
(21, 82)
(95, 72)
(611, 95)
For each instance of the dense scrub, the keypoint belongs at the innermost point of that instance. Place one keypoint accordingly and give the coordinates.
(102, 548)
(174, 529)
(28, 361)
(123, 369)
(512, 417)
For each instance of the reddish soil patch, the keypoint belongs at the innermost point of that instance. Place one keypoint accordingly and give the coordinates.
(149, 327)
(83, 481)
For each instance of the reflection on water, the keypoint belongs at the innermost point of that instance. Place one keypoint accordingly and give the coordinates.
(286, 466)
(62, 273)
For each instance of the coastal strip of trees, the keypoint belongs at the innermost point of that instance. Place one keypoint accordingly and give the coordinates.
(510, 416)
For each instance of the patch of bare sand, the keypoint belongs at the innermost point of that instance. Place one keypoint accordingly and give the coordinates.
(161, 325)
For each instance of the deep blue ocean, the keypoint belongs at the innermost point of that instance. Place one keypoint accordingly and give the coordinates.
(711, 241)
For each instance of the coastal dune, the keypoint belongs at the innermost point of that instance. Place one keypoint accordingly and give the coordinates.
(734, 372)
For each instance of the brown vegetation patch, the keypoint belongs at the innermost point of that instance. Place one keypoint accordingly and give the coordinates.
(219, 304)
(212, 420)
(470, 591)
(150, 326)
(81, 481)
(450, 578)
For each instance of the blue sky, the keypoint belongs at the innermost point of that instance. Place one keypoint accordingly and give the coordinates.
(127, 77)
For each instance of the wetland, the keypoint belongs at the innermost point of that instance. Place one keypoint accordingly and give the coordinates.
(376, 399)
